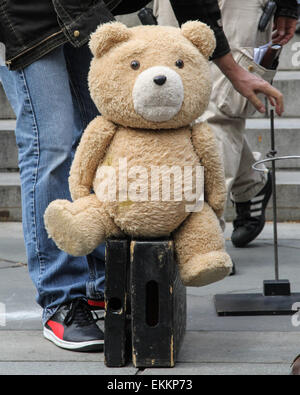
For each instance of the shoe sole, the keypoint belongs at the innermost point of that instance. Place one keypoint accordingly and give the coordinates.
(93, 345)
(253, 236)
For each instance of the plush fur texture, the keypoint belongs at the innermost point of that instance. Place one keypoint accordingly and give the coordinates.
(154, 103)
(145, 125)
(201, 36)
(151, 46)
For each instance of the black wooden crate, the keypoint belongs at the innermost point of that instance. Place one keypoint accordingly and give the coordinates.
(116, 343)
(145, 306)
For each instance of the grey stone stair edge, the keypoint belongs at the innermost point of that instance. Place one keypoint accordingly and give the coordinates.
(288, 83)
(279, 123)
(257, 132)
(286, 80)
(283, 122)
(290, 56)
(287, 144)
(8, 147)
(284, 177)
(288, 198)
(10, 197)
(7, 125)
(5, 108)
(288, 193)
(287, 75)
(283, 214)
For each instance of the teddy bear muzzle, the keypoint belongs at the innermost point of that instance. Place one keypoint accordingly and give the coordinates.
(158, 94)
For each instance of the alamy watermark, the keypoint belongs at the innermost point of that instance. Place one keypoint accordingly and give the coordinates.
(296, 55)
(2, 314)
(123, 183)
(296, 316)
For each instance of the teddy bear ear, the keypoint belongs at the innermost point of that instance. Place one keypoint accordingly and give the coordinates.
(107, 36)
(201, 36)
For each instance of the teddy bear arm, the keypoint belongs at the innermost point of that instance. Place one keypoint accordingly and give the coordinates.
(205, 144)
(90, 152)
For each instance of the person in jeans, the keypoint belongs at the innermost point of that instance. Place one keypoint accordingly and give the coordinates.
(45, 78)
(228, 109)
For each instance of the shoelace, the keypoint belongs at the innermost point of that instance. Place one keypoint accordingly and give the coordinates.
(80, 314)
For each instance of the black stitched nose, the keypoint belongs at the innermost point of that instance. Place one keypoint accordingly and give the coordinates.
(160, 79)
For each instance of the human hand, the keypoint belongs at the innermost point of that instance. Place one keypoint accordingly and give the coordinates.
(249, 85)
(283, 30)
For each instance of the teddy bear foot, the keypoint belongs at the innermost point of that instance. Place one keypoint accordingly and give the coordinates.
(204, 269)
(70, 228)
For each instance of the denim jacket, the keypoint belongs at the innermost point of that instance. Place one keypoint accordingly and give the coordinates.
(30, 29)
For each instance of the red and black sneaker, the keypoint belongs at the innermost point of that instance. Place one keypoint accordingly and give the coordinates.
(73, 327)
(97, 305)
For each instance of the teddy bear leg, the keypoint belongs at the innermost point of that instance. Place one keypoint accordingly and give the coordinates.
(199, 245)
(79, 227)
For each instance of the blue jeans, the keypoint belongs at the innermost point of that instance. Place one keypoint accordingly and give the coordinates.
(52, 104)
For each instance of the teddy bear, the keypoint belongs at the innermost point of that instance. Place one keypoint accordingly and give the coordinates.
(150, 84)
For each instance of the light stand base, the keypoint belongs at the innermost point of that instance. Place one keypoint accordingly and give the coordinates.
(277, 288)
(276, 300)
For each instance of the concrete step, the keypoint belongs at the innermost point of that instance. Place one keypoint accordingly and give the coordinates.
(288, 198)
(287, 139)
(6, 111)
(8, 146)
(257, 132)
(288, 82)
(290, 56)
(10, 197)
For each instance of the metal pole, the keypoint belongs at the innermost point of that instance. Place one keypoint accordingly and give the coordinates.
(273, 153)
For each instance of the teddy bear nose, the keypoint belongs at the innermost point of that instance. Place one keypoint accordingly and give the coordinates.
(160, 79)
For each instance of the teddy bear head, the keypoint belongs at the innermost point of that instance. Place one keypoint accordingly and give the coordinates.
(151, 77)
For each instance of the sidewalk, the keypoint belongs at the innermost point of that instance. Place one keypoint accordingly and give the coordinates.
(212, 345)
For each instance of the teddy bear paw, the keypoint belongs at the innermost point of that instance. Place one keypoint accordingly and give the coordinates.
(204, 269)
(64, 227)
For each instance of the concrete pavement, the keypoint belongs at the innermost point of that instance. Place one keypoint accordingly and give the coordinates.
(212, 345)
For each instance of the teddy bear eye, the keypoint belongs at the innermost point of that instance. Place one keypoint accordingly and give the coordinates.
(179, 63)
(135, 64)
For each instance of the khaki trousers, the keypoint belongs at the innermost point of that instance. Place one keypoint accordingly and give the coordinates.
(228, 110)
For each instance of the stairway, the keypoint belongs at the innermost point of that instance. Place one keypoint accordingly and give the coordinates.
(287, 138)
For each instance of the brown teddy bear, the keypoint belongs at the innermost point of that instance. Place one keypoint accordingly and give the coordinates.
(149, 83)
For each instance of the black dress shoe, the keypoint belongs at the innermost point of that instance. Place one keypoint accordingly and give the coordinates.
(73, 327)
(251, 219)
